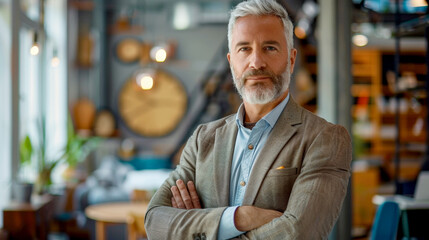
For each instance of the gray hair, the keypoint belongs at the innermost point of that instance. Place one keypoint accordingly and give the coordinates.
(262, 7)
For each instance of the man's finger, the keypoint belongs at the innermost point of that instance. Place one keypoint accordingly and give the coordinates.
(173, 202)
(186, 198)
(177, 197)
(194, 196)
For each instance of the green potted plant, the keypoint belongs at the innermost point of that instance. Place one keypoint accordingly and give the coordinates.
(23, 188)
(74, 151)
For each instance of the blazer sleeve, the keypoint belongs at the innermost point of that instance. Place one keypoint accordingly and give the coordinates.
(162, 221)
(318, 192)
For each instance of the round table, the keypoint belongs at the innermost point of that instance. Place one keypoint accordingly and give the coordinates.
(107, 213)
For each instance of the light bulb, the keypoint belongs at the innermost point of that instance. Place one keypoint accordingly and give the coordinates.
(360, 40)
(160, 55)
(34, 50)
(145, 81)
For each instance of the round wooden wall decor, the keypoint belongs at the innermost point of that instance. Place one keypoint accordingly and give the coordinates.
(154, 112)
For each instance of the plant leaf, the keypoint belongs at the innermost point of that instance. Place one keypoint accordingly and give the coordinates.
(26, 150)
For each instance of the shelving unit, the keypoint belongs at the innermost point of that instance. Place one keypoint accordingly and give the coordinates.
(415, 27)
(373, 110)
(86, 52)
(373, 113)
(375, 100)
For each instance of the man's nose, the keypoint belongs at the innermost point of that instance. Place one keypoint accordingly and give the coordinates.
(257, 60)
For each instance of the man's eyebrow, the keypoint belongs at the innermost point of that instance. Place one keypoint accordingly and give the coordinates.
(272, 42)
(242, 43)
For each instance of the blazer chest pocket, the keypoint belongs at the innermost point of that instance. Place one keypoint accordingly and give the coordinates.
(282, 172)
(276, 188)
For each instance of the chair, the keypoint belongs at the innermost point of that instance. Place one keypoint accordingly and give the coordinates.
(135, 225)
(386, 221)
(139, 195)
(135, 222)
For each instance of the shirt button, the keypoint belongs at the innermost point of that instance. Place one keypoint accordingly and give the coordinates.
(243, 183)
(250, 146)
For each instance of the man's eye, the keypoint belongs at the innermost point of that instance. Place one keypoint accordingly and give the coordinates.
(243, 49)
(270, 48)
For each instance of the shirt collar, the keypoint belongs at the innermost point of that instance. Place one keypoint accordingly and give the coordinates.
(270, 118)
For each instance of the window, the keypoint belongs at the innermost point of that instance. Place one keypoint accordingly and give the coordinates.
(30, 93)
(42, 85)
(55, 89)
(5, 104)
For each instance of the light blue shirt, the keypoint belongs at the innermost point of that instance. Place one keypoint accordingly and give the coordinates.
(247, 147)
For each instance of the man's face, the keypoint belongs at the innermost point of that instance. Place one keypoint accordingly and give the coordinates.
(259, 58)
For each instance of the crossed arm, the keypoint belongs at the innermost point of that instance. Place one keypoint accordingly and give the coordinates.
(246, 217)
(312, 209)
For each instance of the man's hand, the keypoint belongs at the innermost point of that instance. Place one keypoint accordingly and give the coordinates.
(246, 217)
(185, 197)
(249, 217)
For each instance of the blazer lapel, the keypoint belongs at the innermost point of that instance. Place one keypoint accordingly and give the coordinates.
(284, 129)
(223, 151)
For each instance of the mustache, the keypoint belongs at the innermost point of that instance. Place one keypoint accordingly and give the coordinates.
(259, 72)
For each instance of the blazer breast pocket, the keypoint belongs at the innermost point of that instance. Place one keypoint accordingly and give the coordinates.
(276, 188)
(282, 172)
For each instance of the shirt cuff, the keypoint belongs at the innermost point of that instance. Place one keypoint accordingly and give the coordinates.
(227, 227)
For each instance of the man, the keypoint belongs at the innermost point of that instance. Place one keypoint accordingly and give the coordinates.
(271, 171)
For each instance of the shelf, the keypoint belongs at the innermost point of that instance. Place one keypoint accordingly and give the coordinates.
(407, 114)
(417, 92)
(417, 68)
(361, 90)
(414, 27)
(125, 30)
(363, 70)
(87, 5)
(405, 149)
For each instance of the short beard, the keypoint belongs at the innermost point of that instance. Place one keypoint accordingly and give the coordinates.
(262, 94)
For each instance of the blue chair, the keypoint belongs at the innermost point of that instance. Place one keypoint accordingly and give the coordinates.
(386, 221)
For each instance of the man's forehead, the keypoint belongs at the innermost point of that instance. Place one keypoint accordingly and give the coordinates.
(257, 17)
(250, 22)
(268, 27)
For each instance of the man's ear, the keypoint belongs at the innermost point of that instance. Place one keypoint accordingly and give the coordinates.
(228, 56)
(292, 58)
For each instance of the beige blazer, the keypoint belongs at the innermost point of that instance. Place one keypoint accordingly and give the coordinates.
(310, 189)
